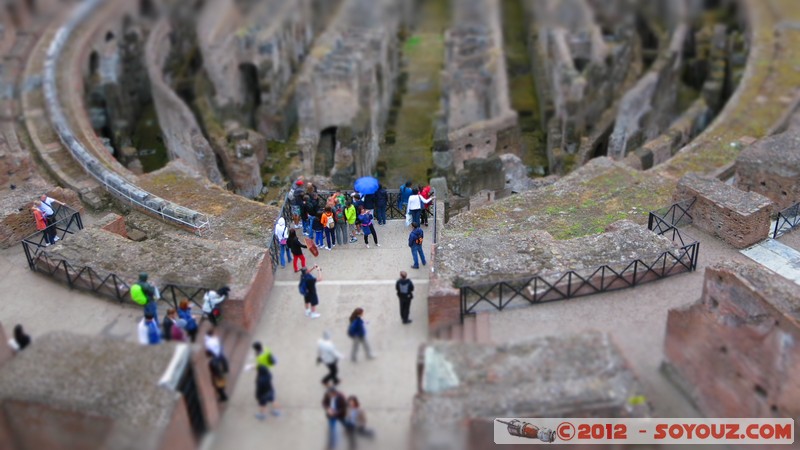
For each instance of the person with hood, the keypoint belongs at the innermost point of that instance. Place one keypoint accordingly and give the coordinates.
(293, 242)
(328, 355)
(212, 301)
(146, 295)
(185, 314)
(282, 236)
(341, 220)
(351, 215)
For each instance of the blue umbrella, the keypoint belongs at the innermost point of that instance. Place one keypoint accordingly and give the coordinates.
(366, 185)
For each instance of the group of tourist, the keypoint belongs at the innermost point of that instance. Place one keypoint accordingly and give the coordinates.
(44, 214)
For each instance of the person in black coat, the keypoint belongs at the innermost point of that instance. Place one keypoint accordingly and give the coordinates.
(335, 405)
(296, 248)
(381, 200)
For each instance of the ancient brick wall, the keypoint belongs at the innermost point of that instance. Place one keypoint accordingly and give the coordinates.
(739, 218)
(735, 350)
(179, 435)
(771, 167)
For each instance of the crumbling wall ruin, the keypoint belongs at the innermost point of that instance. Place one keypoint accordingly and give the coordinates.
(734, 351)
(182, 134)
(346, 87)
(739, 218)
(771, 167)
(257, 51)
(582, 61)
(478, 116)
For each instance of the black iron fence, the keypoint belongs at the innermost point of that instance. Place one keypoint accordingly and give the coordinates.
(608, 277)
(787, 220)
(67, 221)
(106, 284)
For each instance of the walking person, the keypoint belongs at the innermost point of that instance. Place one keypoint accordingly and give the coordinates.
(329, 222)
(341, 220)
(405, 292)
(20, 340)
(185, 314)
(335, 406)
(308, 287)
(212, 302)
(367, 227)
(328, 355)
(415, 204)
(381, 201)
(218, 367)
(265, 393)
(297, 249)
(41, 225)
(358, 333)
(415, 239)
(145, 294)
(355, 422)
(282, 235)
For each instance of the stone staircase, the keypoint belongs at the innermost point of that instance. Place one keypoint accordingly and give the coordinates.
(476, 328)
(44, 142)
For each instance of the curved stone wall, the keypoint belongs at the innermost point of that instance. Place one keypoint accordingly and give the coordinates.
(115, 183)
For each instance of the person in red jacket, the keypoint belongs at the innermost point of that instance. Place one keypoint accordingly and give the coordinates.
(41, 224)
(425, 193)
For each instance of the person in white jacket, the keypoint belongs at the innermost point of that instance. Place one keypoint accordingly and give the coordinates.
(328, 355)
(211, 302)
(281, 235)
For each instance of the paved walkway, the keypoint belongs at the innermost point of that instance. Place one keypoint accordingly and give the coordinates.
(779, 258)
(42, 304)
(353, 276)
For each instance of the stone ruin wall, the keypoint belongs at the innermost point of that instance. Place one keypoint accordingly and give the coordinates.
(771, 166)
(579, 72)
(116, 83)
(734, 352)
(182, 134)
(739, 218)
(347, 84)
(479, 119)
(271, 40)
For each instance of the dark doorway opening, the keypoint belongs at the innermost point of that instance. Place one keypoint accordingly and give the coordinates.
(252, 91)
(326, 147)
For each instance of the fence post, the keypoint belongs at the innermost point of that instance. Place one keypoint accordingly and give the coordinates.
(635, 269)
(463, 304)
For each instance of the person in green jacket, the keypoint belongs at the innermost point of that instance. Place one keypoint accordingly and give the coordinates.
(350, 214)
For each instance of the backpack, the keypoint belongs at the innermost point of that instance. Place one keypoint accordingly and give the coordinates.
(302, 287)
(138, 295)
(404, 287)
(338, 211)
(330, 223)
(419, 241)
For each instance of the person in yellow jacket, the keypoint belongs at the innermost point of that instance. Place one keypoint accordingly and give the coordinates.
(329, 223)
(350, 214)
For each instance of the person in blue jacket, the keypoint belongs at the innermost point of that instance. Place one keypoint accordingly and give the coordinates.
(415, 242)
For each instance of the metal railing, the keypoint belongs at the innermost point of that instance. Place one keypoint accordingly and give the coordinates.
(105, 284)
(787, 220)
(67, 221)
(608, 277)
